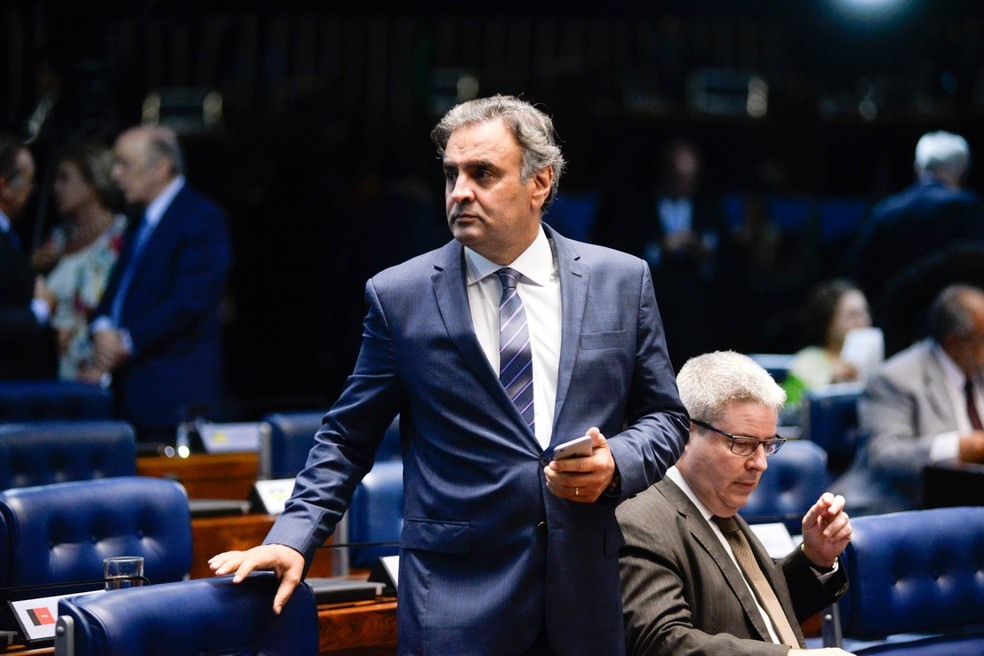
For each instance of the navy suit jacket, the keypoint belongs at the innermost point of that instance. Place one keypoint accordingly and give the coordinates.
(172, 313)
(901, 229)
(487, 552)
(26, 347)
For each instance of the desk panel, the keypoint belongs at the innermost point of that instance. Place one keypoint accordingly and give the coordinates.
(206, 476)
(950, 483)
(362, 628)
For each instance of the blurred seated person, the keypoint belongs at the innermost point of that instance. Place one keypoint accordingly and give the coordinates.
(81, 251)
(25, 303)
(833, 309)
(690, 564)
(922, 405)
(670, 221)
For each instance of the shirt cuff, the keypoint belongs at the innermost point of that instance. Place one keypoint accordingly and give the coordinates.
(41, 310)
(945, 446)
(102, 323)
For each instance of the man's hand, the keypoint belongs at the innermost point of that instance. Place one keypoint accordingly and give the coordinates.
(109, 350)
(583, 479)
(285, 562)
(826, 530)
(971, 447)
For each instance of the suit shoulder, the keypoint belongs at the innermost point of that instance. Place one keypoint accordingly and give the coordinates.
(649, 503)
(419, 268)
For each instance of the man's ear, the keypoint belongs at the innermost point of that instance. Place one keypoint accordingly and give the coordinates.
(542, 181)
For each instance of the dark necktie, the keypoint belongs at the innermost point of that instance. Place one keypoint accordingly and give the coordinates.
(975, 419)
(515, 355)
(753, 573)
(139, 239)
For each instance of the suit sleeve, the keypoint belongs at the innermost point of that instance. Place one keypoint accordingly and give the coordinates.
(199, 274)
(346, 443)
(888, 412)
(656, 423)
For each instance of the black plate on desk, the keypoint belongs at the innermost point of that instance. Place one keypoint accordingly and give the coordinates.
(336, 590)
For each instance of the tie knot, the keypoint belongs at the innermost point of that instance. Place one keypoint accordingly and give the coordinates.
(509, 277)
(728, 525)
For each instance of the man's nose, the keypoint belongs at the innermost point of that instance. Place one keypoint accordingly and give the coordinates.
(757, 460)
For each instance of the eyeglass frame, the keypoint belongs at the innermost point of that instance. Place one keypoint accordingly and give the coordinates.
(777, 440)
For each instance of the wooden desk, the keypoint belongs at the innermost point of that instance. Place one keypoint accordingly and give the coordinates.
(362, 628)
(206, 476)
(950, 483)
(212, 535)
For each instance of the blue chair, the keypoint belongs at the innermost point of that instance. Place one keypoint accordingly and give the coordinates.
(38, 453)
(777, 364)
(376, 511)
(201, 616)
(916, 584)
(795, 479)
(830, 419)
(61, 532)
(287, 437)
(34, 400)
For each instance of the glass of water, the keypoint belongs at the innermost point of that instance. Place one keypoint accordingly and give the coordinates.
(123, 572)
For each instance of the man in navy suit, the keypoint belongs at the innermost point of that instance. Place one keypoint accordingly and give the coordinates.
(157, 329)
(504, 550)
(933, 213)
(26, 341)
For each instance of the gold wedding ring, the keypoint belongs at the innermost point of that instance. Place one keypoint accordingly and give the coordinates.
(577, 491)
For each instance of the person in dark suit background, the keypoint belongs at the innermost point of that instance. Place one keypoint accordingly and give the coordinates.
(672, 222)
(26, 339)
(156, 331)
(503, 550)
(683, 589)
(933, 213)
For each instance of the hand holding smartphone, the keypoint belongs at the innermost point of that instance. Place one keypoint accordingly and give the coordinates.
(577, 448)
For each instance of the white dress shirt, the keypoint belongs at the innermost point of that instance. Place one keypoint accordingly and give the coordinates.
(539, 289)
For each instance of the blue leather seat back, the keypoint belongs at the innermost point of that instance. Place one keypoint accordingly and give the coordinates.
(4, 553)
(63, 531)
(376, 512)
(35, 400)
(286, 446)
(38, 453)
(291, 436)
(795, 479)
(915, 572)
(200, 616)
(830, 418)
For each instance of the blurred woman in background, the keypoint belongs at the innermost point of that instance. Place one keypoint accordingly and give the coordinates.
(81, 251)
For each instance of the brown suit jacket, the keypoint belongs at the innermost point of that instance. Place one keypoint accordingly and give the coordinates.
(681, 592)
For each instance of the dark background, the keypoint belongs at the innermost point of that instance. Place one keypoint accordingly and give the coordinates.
(323, 161)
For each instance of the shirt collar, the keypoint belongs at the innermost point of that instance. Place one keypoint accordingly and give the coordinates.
(5, 224)
(674, 475)
(160, 204)
(535, 263)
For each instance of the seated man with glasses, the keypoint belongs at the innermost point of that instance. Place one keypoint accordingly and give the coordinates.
(695, 580)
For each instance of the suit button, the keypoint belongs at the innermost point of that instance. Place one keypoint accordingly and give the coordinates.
(541, 527)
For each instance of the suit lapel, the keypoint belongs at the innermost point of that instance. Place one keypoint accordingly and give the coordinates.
(450, 291)
(573, 297)
(708, 540)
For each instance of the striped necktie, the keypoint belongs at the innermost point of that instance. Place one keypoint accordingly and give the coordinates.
(753, 574)
(515, 354)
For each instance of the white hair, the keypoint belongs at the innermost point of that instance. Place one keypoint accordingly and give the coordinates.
(942, 153)
(709, 382)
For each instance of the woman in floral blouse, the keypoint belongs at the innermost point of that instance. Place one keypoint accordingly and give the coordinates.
(82, 250)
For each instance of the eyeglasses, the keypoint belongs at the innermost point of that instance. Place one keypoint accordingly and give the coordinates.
(745, 446)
